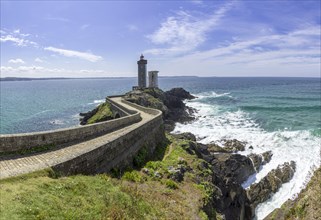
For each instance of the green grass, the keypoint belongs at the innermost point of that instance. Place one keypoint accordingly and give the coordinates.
(132, 195)
(171, 184)
(104, 113)
(37, 196)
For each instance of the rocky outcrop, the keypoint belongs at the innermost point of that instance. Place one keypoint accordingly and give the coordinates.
(170, 103)
(229, 146)
(305, 206)
(229, 171)
(262, 191)
(86, 115)
(260, 159)
(102, 112)
(232, 167)
(186, 135)
(234, 145)
(180, 93)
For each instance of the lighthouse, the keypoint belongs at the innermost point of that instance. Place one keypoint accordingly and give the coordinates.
(142, 72)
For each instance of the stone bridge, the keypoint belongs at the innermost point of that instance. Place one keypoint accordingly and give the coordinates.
(87, 149)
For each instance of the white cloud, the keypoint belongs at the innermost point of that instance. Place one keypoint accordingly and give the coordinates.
(18, 38)
(185, 32)
(10, 38)
(38, 60)
(18, 60)
(40, 71)
(72, 53)
(296, 53)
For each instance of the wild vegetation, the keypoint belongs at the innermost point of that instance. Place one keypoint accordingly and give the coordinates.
(306, 206)
(103, 113)
(148, 191)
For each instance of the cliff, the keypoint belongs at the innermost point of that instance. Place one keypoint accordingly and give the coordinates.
(182, 179)
(227, 169)
(306, 206)
(169, 102)
(103, 112)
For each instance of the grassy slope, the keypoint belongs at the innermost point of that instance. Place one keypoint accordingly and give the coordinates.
(306, 207)
(104, 112)
(135, 195)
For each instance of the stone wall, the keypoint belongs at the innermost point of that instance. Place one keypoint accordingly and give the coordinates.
(118, 153)
(18, 142)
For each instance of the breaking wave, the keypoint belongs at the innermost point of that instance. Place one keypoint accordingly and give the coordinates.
(215, 123)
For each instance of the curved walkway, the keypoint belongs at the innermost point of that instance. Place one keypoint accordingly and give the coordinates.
(17, 165)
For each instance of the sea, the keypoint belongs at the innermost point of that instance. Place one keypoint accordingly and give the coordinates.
(278, 114)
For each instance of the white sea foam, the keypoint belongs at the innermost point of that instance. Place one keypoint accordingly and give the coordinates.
(98, 101)
(57, 122)
(214, 124)
(211, 94)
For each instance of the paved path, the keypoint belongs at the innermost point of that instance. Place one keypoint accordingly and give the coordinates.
(13, 166)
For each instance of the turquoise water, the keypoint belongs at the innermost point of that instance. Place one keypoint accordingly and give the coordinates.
(278, 114)
(274, 103)
(282, 115)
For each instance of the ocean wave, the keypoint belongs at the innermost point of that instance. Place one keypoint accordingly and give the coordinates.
(214, 124)
(211, 94)
(98, 101)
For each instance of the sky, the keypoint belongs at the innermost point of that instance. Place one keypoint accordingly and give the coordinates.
(178, 38)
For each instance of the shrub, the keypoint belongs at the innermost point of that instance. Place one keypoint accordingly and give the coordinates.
(133, 176)
(155, 165)
(171, 184)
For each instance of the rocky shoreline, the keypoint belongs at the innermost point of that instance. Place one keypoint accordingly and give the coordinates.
(229, 169)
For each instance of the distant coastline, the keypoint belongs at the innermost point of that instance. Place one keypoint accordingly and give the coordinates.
(66, 78)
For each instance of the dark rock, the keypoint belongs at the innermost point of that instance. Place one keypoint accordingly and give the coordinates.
(263, 190)
(177, 174)
(146, 99)
(232, 167)
(87, 115)
(267, 156)
(232, 200)
(180, 93)
(170, 103)
(169, 125)
(186, 136)
(257, 160)
(229, 171)
(234, 145)
(214, 148)
(203, 165)
(260, 159)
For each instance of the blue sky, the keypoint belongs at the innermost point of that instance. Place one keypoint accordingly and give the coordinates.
(204, 38)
